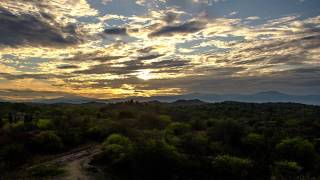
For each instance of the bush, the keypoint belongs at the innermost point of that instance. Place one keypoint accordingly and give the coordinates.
(231, 167)
(117, 139)
(286, 170)
(44, 124)
(229, 132)
(72, 137)
(156, 160)
(97, 133)
(117, 148)
(47, 141)
(45, 171)
(175, 132)
(254, 144)
(14, 128)
(116, 153)
(297, 149)
(195, 143)
(149, 121)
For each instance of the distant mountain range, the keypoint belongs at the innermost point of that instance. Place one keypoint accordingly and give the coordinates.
(261, 97)
(197, 98)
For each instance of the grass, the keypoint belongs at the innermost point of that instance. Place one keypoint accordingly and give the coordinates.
(48, 170)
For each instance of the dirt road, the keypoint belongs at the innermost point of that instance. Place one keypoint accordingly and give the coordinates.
(76, 164)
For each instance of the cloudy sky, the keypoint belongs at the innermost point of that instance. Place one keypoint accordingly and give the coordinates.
(120, 48)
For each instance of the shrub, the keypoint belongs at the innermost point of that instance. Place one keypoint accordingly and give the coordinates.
(44, 124)
(117, 148)
(297, 149)
(47, 141)
(254, 144)
(230, 132)
(175, 131)
(286, 170)
(195, 143)
(156, 160)
(45, 171)
(117, 139)
(231, 167)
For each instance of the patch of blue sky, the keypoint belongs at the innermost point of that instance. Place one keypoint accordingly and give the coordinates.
(118, 7)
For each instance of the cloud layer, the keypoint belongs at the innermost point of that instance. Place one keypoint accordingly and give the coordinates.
(108, 49)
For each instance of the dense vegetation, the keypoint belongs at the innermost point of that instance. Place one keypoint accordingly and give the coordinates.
(169, 141)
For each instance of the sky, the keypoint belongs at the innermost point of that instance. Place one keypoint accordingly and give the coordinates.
(119, 48)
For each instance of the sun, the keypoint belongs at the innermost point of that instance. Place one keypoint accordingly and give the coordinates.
(144, 74)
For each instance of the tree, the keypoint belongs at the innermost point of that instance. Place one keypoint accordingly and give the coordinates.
(297, 149)
(286, 170)
(255, 144)
(117, 148)
(152, 121)
(195, 143)
(175, 131)
(47, 141)
(231, 167)
(1, 121)
(229, 132)
(157, 160)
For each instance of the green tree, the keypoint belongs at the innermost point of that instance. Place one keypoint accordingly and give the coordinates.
(117, 148)
(229, 132)
(175, 132)
(231, 167)
(195, 143)
(155, 159)
(47, 141)
(286, 170)
(255, 144)
(297, 149)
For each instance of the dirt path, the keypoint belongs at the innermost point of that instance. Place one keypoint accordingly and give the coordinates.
(76, 164)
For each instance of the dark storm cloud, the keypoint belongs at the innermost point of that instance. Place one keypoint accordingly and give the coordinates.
(146, 50)
(309, 82)
(288, 59)
(107, 58)
(103, 83)
(221, 71)
(306, 42)
(133, 66)
(93, 57)
(32, 76)
(170, 63)
(296, 51)
(249, 61)
(151, 56)
(169, 30)
(104, 69)
(170, 17)
(31, 94)
(309, 71)
(96, 56)
(116, 31)
(29, 29)
(68, 67)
